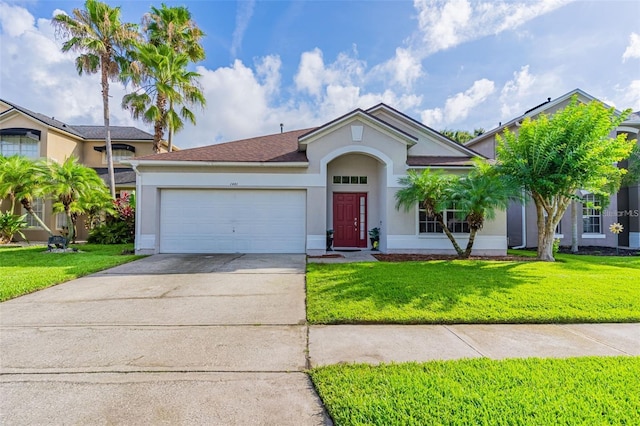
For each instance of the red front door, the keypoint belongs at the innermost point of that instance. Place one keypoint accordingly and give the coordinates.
(349, 219)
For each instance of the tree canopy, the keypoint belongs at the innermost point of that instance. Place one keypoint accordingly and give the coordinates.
(553, 157)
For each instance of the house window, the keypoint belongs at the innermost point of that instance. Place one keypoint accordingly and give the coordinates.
(61, 221)
(350, 180)
(558, 230)
(118, 155)
(591, 215)
(429, 225)
(38, 208)
(19, 145)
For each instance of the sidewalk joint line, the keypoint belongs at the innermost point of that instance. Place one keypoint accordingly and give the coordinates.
(478, 351)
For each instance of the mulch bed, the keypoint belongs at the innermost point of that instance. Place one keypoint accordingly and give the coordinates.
(326, 256)
(600, 251)
(428, 257)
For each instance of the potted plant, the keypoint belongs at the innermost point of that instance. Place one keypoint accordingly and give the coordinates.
(329, 239)
(374, 237)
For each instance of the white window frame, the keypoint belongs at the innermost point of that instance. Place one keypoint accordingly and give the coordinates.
(448, 215)
(23, 142)
(38, 208)
(118, 155)
(61, 221)
(592, 212)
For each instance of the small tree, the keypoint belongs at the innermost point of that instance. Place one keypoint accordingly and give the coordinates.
(22, 180)
(478, 195)
(554, 157)
(69, 183)
(433, 190)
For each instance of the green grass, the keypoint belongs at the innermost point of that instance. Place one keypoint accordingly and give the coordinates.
(572, 289)
(574, 391)
(27, 269)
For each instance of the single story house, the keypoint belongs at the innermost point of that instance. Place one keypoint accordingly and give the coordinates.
(593, 222)
(281, 193)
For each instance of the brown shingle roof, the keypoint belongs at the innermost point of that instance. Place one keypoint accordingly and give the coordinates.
(277, 148)
(429, 160)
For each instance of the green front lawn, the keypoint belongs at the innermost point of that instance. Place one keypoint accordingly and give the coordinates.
(27, 269)
(576, 391)
(572, 289)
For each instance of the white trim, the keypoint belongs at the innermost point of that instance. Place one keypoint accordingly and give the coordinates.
(594, 236)
(233, 180)
(425, 130)
(440, 242)
(146, 242)
(356, 115)
(192, 163)
(316, 242)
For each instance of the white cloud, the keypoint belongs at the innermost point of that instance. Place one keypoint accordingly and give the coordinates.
(633, 50)
(631, 97)
(516, 90)
(405, 68)
(37, 75)
(311, 72)
(243, 16)
(445, 24)
(15, 20)
(458, 106)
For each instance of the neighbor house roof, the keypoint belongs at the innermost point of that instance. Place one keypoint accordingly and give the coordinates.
(121, 176)
(549, 103)
(276, 148)
(125, 133)
(434, 161)
(49, 121)
(87, 132)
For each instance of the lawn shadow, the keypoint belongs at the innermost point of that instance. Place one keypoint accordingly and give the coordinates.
(436, 286)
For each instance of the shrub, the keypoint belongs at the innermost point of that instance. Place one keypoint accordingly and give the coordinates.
(11, 224)
(118, 228)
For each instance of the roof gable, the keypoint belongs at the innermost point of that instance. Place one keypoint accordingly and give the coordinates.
(550, 104)
(356, 115)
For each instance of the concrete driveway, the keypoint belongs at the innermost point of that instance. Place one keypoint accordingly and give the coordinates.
(169, 339)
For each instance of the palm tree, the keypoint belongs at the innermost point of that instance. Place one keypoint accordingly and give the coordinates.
(174, 27)
(98, 35)
(22, 179)
(433, 191)
(69, 183)
(162, 79)
(478, 195)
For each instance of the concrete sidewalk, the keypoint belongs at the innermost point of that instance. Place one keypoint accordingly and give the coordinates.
(374, 344)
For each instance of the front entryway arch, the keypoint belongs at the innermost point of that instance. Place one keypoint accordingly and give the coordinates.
(356, 198)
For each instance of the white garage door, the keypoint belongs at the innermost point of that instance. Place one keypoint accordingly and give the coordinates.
(232, 221)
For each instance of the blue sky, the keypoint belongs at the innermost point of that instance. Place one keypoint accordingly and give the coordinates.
(457, 64)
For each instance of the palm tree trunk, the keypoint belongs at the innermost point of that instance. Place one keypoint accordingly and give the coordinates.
(449, 235)
(105, 107)
(472, 238)
(70, 225)
(170, 130)
(27, 206)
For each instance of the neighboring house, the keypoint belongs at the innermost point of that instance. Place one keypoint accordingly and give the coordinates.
(593, 223)
(281, 193)
(36, 135)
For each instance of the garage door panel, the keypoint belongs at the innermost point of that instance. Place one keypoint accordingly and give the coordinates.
(230, 221)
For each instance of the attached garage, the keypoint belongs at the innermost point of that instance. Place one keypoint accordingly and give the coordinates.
(232, 221)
